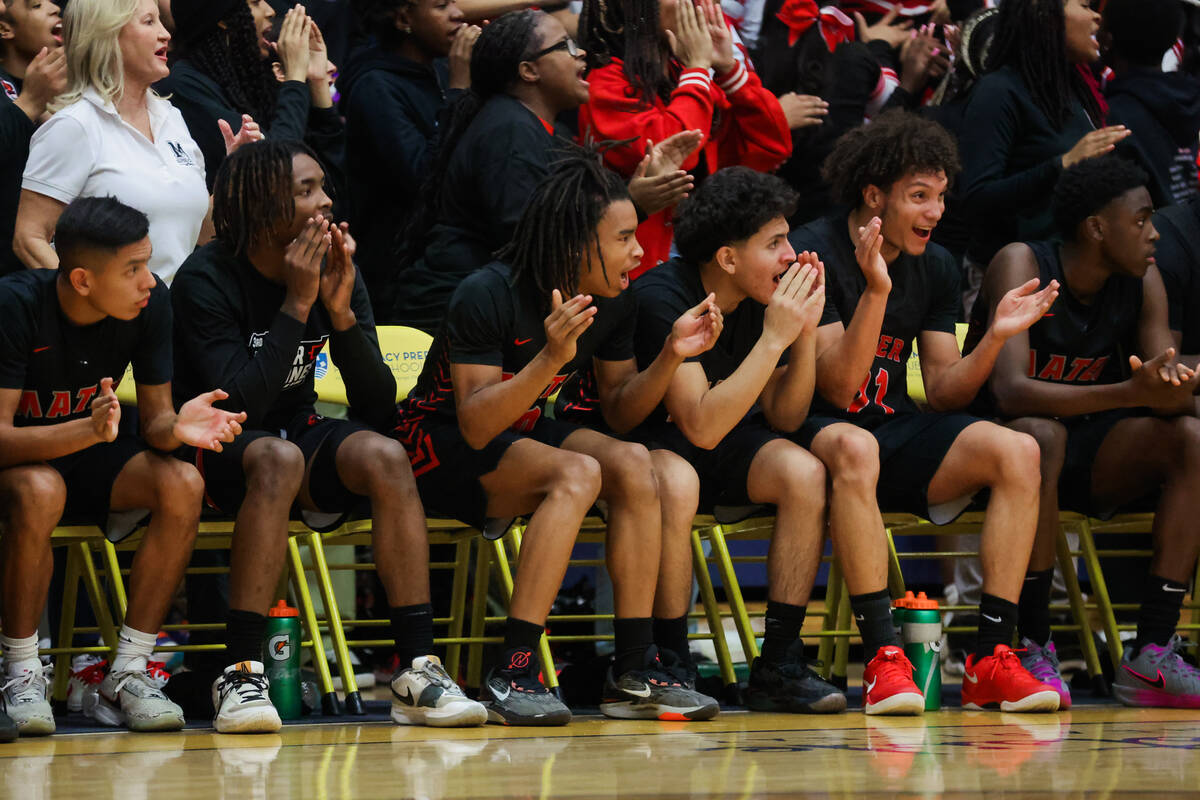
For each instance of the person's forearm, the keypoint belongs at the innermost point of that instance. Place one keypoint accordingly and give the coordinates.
(956, 386)
(34, 251)
(1028, 397)
(486, 412)
(842, 368)
(159, 432)
(37, 443)
(479, 10)
(786, 403)
(370, 385)
(725, 405)
(630, 403)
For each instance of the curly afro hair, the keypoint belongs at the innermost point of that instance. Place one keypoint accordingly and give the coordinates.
(731, 206)
(1143, 30)
(1087, 187)
(879, 153)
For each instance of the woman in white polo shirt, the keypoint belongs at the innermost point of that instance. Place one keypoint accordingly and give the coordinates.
(112, 135)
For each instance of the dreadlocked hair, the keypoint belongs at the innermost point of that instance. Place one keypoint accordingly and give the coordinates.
(497, 56)
(894, 144)
(252, 194)
(628, 30)
(230, 56)
(575, 195)
(1030, 37)
(1087, 187)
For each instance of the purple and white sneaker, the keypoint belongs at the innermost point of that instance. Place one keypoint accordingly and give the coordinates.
(1158, 677)
(1042, 663)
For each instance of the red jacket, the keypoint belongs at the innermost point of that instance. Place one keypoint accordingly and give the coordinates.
(743, 125)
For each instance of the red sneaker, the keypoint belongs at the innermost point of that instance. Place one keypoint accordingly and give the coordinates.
(888, 686)
(999, 681)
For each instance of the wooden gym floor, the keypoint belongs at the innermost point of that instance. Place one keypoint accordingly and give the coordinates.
(1091, 751)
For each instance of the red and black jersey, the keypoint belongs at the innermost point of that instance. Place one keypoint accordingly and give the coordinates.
(924, 297)
(1075, 342)
(492, 322)
(743, 125)
(58, 365)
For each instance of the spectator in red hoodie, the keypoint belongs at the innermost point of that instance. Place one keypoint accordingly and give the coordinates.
(659, 68)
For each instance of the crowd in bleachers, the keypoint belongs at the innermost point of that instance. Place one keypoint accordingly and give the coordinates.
(673, 255)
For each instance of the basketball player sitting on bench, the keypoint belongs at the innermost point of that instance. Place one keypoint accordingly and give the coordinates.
(1112, 428)
(254, 308)
(67, 334)
(888, 286)
(481, 447)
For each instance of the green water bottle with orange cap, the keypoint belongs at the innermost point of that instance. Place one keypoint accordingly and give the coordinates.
(283, 659)
(921, 630)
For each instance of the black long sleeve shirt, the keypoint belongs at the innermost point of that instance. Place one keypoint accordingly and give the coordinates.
(230, 333)
(16, 130)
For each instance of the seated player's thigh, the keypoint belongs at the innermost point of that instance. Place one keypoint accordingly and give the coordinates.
(527, 472)
(983, 455)
(627, 472)
(1134, 459)
(153, 480)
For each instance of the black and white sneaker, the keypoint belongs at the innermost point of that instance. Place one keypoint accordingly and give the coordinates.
(791, 686)
(654, 692)
(515, 695)
(241, 700)
(425, 694)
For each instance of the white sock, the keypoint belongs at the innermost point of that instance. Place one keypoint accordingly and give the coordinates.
(20, 655)
(133, 650)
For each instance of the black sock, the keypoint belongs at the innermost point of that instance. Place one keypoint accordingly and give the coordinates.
(244, 631)
(873, 613)
(997, 621)
(519, 634)
(632, 637)
(1159, 614)
(783, 624)
(672, 634)
(1033, 608)
(412, 628)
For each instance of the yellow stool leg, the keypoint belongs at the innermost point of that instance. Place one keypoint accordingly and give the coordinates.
(895, 574)
(116, 582)
(733, 593)
(333, 617)
(833, 598)
(1078, 608)
(713, 612)
(841, 652)
(329, 702)
(483, 560)
(1100, 588)
(91, 580)
(458, 604)
(66, 627)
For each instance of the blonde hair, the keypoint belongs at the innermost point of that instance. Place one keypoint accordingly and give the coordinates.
(90, 32)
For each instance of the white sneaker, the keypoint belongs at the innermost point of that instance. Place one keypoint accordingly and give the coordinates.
(24, 700)
(425, 694)
(132, 698)
(240, 698)
(87, 671)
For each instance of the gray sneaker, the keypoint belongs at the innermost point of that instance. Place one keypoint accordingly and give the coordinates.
(654, 692)
(131, 698)
(515, 695)
(1158, 677)
(24, 700)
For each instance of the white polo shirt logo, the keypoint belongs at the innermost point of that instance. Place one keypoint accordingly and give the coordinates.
(181, 155)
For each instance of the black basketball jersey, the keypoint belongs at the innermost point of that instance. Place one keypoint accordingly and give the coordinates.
(492, 322)
(924, 297)
(1083, 342)
(58, 365)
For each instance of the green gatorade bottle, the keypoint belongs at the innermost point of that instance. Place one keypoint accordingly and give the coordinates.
(921, 630)
(283, 659)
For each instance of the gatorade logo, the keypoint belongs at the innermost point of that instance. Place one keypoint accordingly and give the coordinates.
(280, 647)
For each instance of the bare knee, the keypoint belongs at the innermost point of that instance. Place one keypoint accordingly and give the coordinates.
(1051, 438)
(1018, 460)
(678, 483)
(274, 469)
(178, 487)
(35, 497)
(852, 457)
(389, 472)
(578, 480)
(629, 475)
(1187, 436)
(804, 478)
